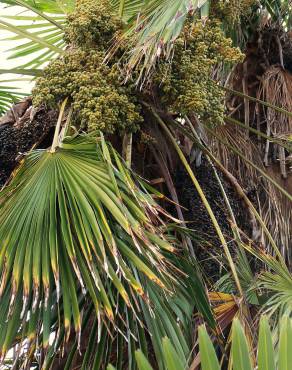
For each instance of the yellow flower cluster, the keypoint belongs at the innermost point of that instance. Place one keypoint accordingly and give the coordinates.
(98, 99)
(92, 24)
(231, 10)
(185, 84)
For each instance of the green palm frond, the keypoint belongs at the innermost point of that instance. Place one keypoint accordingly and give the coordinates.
(241, 356)
(279, 10)
(8, 95)
(158, 320)
(35, 8)
(275, 284)
(170, 317)
(169, 356)
(42, 38)
(84, 230)
(89, 244)
(45, 6)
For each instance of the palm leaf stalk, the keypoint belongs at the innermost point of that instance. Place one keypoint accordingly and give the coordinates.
(204, 200)
(256, 100)
(233, 182)
(243, 266)
(261, 171)
(280, 141)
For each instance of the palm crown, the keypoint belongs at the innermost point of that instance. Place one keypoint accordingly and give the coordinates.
(100, 269)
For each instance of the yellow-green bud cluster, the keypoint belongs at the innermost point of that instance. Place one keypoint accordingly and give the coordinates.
(98, 99)
(185, 84)
(92, 24)
(231, 10)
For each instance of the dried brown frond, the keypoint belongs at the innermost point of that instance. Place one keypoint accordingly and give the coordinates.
(273, 207)
(276, 88)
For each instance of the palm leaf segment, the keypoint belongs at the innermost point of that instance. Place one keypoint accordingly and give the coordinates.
(41, 32)
(75, 227)
(8, 95)
(242, 355)
(40, 40)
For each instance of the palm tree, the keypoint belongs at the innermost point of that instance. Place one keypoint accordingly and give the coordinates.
(107, 256)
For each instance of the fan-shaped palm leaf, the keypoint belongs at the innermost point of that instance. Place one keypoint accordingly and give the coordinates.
(74, 225)
(275, 284)
(78, 236)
